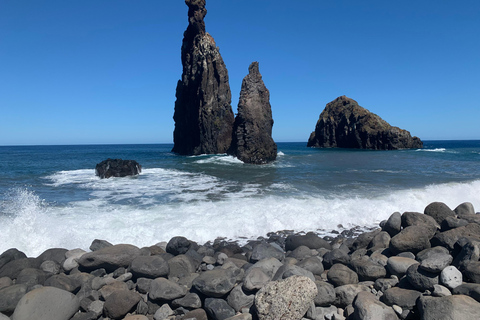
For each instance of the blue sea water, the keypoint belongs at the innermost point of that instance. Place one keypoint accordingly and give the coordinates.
(50, 196)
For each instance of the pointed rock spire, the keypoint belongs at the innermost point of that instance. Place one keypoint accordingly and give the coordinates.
(203, 112)
(252, 133)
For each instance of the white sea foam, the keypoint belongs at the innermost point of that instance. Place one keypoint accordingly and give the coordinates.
(433, 150)
(32, 226)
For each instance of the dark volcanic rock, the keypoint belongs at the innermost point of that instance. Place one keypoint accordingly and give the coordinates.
(344, 124)
(203, 112)
(117, 168)
(252, 132)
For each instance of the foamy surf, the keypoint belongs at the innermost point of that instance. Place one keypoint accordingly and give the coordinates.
(31, 225)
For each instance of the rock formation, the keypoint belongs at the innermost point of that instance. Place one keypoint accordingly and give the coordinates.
(203, 113)
(252, 133)
(345, 124)
(117, 168)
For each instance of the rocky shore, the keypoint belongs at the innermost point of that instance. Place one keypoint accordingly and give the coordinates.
(415, 266)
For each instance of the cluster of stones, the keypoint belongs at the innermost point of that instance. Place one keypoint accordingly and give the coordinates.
(416, 266)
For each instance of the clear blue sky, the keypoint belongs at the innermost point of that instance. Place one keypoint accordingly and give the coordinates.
(105, 71)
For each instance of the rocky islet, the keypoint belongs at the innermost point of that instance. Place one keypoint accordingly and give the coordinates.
(378, 274)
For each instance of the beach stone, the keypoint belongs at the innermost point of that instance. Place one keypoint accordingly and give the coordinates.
(72, 257)
(5, 282)
(98, 244)
(384, 284)
(367, 307)
(421, 279)
(340, 275)
(335, 256)
(264, 251)
(110, 258)
(419, 219)
(12, 268)
(393, 224)
(448, 238)
(218, 309)
(119, 303)
(379, 258)
(288, 270)
(215, 283)
(412, 238)
(197, 314)
(163, 312)
(238, 299)
(404, 298)
(381, 240)
(46, 303)
(406, 254)
(472, 271)
(63, 282)
(312, 264)
(463, 209)
(450, 307)
(31, 277)
(325, 294)
(181, 266)
(96, 307)
(470, 251)
(469, 289)
(301, 253)
(254, 279)
(345, 294)
(285, 299)
(440, 291)
(190, 301)
(368, 270)
(50, 267)
(178, 245)
(310, 240)
(452, 222)
(110, 288)
(364, 239)
(143, 284)
(135, 317)
(149, 267)
(241, 316)
(165, 290)
(9, 297)
(53, 254)
(438, 211)
(434, 259)
(9, 255)
(451, 277)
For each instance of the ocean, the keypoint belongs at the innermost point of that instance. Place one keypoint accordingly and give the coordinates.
(50, 196)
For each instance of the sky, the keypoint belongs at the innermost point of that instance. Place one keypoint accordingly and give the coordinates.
(105, 71)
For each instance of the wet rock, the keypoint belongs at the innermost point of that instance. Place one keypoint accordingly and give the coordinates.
(344, 124)
(117, 168)
(203, 114)
(340, 275)
(285, 299)
(109, 258)
(252, 132)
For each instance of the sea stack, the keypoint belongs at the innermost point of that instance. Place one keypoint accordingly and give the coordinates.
(345, 124)
(252, 133)
(203, 112)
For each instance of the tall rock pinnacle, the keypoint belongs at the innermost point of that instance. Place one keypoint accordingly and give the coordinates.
(252, 133)
(203, 112)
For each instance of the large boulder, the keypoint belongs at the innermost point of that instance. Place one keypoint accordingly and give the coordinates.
(449, 307)
(117, 168)
(110, 258)
(367, 307)
(344, 124)
(203, 112)
(252, 140)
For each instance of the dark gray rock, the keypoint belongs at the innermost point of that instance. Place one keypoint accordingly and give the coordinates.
(252, 132)
(149, 267)
(109, 258)
(393, 224)
(238, 299)
(98, 244)
(404, 298)
(364, 239)
(469, 289)
(9, 297)
(117, 168)
(312, 264)
(420, 279)
(300, 253)
(218, 309)
(162, 289)
(381, 240)
(438, 211)
(189, 301)
(398, 265)
(12, 268)
(470, 251)
(412, 238)
(448, 238)
(143, 285)
(434, 259)
(417, 218)
(264, 251)
(452, 222)
(288, 270)
(119, 303)
(463, 209)
(215, 283)
(368, 270)
(254, 279)
(384, 284)
(335, 256)
(198, 314)
(178, 245)
(203, 113)
(344, 124)
(63, 282)
(310, 240)
(181, 266)
(31, 277)
(9, 255)
(270, 266)
(472, 271)
(367, 307)
(345, 294)
(326, 294)
(450, 307)
(340, 275)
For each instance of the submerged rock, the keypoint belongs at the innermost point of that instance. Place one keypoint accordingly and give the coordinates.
(117, 168)
(252, 140)
(203, 113)
(345, 124)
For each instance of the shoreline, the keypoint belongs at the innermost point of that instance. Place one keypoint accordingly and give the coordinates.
(403, 270)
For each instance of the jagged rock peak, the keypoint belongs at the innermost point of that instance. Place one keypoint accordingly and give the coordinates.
(203, 112)
(345, 124)
(252, 133)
